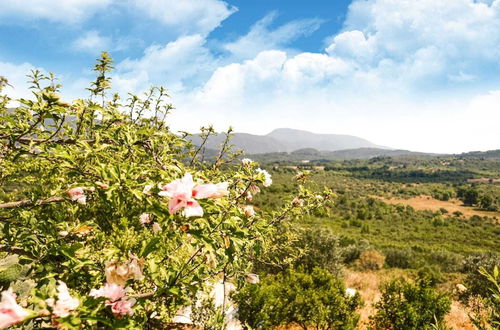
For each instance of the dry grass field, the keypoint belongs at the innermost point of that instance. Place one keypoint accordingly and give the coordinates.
(428, 203)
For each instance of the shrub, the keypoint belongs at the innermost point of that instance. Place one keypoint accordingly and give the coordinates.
(353, 251)
(321, 249)
(110, 197)
(477, 284)
(406, 305)
(310, 300)
(431, 274)
(371, 260)
(399, 258)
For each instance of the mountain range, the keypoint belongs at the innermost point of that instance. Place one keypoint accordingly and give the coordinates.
(288, 140)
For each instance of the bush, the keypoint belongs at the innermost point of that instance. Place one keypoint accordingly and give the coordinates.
(309, 300)
(477, 284)
(430, 274)
(371, 260)
(406, 305)
(399, 258)
(321, 249)
(353, 251)
(110, 197)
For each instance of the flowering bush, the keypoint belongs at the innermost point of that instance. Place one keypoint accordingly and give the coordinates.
(109, 219)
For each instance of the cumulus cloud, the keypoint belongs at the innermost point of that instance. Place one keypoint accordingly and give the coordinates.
(16, 75)
(92, 42)
(187, 16)
(405, 66)
(65, 11)
(173, 65)
(261, 37)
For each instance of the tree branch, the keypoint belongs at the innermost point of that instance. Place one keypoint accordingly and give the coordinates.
(28, 202)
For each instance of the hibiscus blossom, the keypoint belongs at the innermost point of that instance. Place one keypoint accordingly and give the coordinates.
(184, 192)
(10, 312)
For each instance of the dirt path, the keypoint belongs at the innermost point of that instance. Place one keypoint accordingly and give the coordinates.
(428, 203)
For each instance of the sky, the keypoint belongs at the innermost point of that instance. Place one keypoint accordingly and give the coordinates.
(422, 75)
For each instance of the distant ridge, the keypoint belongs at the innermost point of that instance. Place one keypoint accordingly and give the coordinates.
(288, 140)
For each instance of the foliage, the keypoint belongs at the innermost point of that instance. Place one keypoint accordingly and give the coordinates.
(406, 305)
(491, 302)
(99, 195)
(371, 260)
(313, 299)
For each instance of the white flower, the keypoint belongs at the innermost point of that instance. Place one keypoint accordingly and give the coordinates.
(249, 211)
(145, 218)
(156, 227)
(246, 161)
(267, 177)
(65, 303)
(147, 189)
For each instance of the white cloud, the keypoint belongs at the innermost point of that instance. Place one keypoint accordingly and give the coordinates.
(187, 16)
(406, 74)
(92, 42)
(66, 11)
(261, 37)
(172, 65)
(16, 75)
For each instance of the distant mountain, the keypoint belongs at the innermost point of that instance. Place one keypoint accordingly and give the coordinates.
(288, 140)
(298, 139)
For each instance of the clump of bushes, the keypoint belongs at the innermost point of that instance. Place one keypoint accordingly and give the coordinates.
(371, 260)
(399, 258)
(407, 305)
(315, 299)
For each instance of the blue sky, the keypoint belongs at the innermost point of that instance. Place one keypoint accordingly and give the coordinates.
(415, 74)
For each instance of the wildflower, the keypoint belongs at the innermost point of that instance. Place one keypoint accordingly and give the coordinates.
(63, 233)
(297, 202)
(65, 303)
(145, 218)
(119, 273)
(184, 192)
(249, 211)
(254, 189)
(122, 307)
(77, 195)
(267, 177)
(156, 227)
(10, 312)
(147, 189)
(112, 291)
(246, 161)
(253, 278)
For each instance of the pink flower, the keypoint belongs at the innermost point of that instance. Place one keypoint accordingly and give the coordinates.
(145, 218)
(10, 312)
(111, 291)
(77, 195)
(122, 307)
(184, 192)
(65, 303)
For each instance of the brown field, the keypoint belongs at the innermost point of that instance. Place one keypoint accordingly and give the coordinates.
(428, 203)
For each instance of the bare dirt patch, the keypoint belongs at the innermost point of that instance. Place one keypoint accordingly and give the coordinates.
(428, 203)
